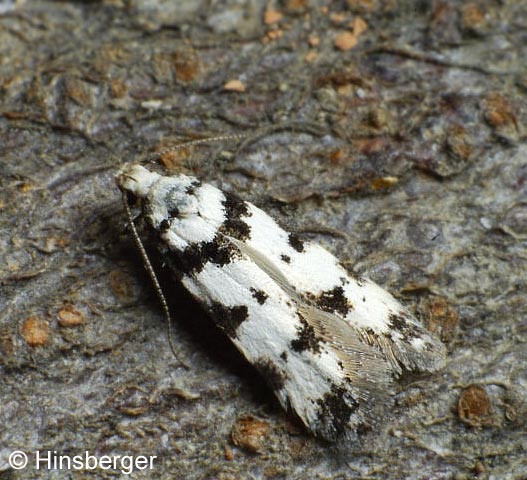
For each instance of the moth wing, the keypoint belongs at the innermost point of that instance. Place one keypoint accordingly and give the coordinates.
(363, 365)
(406, 344)
(319, 278)
(265, 265)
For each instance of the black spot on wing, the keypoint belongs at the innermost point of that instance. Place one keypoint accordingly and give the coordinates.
(219, 251)
(164, 226)
(270, 371)
(370, 331)
(187, 261)
(259, 295)
(398, 321)
(296, 243)
(191, 189)
(335, 410)
(193, 258)
(332, 301)
(388, 336)
(235, 211)
(307, 338)
(285, 258)
(173, 212)
(229, 318)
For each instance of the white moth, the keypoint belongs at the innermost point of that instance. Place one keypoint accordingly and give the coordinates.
(327, 342)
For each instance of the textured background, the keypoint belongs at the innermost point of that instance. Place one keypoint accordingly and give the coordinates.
(393, 132)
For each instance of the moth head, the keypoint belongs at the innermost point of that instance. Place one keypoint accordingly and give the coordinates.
(160, 198)
(135, 181)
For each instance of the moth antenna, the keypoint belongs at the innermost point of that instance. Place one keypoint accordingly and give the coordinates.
(200, 141)
(153, 277)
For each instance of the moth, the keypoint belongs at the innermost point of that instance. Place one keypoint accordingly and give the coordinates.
(328, 343)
